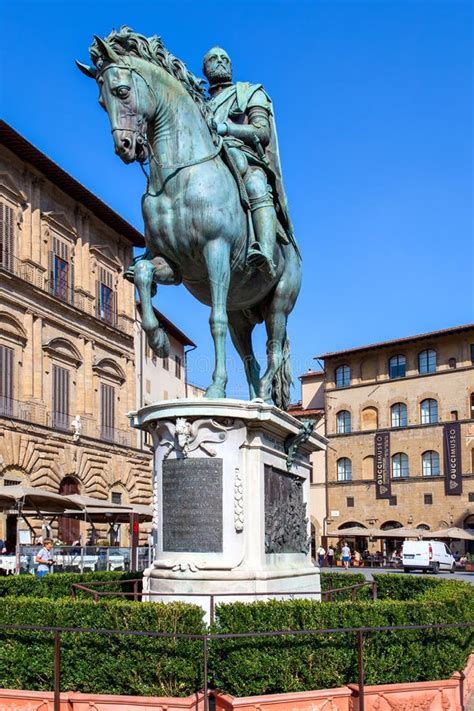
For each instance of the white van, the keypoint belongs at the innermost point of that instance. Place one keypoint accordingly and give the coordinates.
(427, 555)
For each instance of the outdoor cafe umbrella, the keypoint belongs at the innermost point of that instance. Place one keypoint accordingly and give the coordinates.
(30, 498)
(402, 532)
(354, 531)
(453, 533)
(23, 499)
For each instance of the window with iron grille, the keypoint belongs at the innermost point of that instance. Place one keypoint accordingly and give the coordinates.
(392, 501)
(11, 482)
(107, 411)
(61, 418)
(428, 499)
(350, 502)
(177, 367)
(6, 236)
(61, 271)
(116, 497)
(471, 496)
(6, 380)
(105, 304)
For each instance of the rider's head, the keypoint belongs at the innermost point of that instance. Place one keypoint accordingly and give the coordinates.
(217, 66)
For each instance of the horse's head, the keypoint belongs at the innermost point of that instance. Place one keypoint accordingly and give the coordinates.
(126, 96)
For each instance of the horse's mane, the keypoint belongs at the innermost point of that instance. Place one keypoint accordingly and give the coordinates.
(127, 42)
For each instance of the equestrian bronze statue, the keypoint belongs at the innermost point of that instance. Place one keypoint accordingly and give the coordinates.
(214, 209)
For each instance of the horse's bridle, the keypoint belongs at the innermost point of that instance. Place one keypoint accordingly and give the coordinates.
(142, 139)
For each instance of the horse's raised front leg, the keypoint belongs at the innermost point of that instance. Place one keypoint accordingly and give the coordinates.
(216, 254)
(241, 332)
(156, 336)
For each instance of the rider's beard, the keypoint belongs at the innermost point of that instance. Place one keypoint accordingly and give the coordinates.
(218, 75)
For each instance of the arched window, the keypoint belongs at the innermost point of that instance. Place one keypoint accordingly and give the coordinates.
(427, 362)
(370, 418)
(430, 461)
(429, 411)
(344, 469)
(390, 525)
(400, 466)
(343, 376)
(343, 421)
(398, 415)
(397, 366)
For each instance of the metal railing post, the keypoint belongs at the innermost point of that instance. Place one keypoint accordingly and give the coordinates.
(206, 689)
(212, 610)
(57, 671)
(360, 665)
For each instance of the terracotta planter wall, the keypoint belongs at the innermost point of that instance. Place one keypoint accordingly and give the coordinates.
(445, 695)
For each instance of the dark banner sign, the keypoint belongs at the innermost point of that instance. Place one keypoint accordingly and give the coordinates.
(383, 489)
(452, 459)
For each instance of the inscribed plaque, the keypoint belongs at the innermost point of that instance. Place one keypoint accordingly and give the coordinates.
(192, 505)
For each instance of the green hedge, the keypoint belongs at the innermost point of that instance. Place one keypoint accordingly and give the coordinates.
(406, 587)
(332, 581)
(141, 666)
(281, 664)
(102, 664)
(58, 585)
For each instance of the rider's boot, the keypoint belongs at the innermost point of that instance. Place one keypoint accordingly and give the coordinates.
(260, 253)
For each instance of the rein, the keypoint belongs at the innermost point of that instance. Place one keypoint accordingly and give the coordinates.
(142, 139)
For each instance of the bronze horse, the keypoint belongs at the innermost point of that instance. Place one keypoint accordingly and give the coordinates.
(196, 229)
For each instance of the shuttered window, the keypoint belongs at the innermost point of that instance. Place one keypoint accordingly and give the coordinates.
(107, 411)
(106, 297)
(61, 417)
(177, 367)
(6, 236)
(61, 272)
(6, 380)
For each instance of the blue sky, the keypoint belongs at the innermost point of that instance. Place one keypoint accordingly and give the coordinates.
(373, 102)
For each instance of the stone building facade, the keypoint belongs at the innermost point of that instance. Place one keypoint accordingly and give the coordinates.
(68, 337)
(412, 389)
(413, 394)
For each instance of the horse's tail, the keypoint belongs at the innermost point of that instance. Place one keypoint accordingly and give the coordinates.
(283, 379)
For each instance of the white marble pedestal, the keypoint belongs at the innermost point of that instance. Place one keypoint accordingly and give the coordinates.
(229, 515)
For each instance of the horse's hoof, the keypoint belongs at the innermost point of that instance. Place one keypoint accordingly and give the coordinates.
(215, 392)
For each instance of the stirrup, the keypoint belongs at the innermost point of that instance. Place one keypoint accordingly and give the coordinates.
(256, 258)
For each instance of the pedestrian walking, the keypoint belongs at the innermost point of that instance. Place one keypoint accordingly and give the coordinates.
(45, 559)
(346, 555)
(321, 555)
(330, 556)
